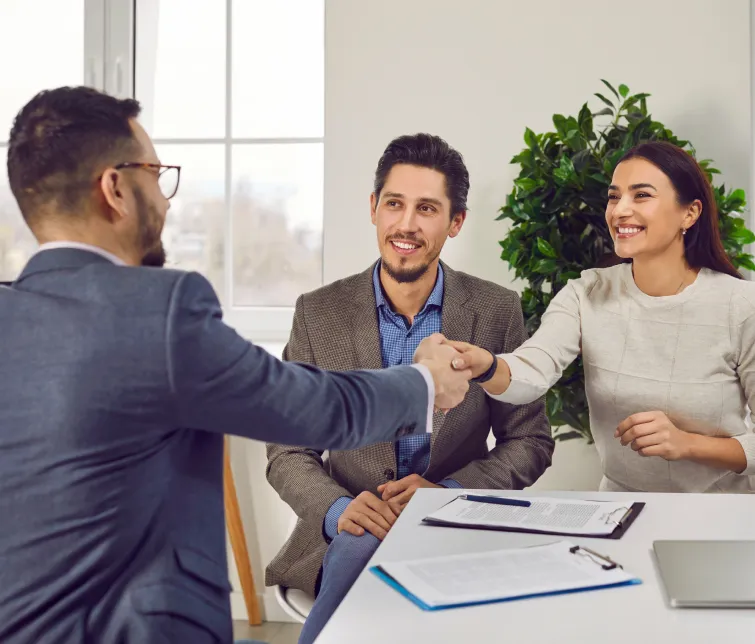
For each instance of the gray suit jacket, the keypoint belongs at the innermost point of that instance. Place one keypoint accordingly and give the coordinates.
(336, 328)
(116, 386)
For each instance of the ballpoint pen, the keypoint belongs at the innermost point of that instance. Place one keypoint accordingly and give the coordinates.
(498, 500)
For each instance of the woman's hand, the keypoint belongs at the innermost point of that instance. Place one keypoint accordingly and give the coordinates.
(653, 434)
(472, 357)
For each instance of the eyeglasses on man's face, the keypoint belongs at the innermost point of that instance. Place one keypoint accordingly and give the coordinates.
(168, 176)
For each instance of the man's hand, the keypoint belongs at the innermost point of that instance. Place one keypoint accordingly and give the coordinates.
(402, 491)
(451, 385)
(471, 357)
(368, 512)
(653, 434)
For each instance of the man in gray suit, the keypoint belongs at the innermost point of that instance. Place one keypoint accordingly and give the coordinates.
(117, 383)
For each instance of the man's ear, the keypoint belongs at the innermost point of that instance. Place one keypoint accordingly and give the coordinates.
(111, 186)
(373, 208)
(457, 221)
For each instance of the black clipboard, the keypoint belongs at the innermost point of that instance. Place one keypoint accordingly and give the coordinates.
(622, 525)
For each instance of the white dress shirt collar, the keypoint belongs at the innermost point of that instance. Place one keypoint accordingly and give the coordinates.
(79, 246)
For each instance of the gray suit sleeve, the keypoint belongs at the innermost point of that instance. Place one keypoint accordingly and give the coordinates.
(524, 442)
(221, 382)
(297, 473)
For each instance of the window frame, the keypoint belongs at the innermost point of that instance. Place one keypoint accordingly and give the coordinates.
(110, 40)
(95, 50)
(259, 323)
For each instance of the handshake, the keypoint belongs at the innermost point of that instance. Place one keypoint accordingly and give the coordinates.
(452, 365)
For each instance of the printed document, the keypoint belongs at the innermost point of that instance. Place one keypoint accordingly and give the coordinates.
(483, 577)
(550, 515)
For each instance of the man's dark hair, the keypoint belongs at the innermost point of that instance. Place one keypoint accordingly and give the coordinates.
(61, 140)
(427, 151)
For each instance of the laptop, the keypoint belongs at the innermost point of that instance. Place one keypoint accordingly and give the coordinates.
(707, 574)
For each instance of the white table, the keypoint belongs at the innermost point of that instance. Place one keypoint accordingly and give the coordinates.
(373, 612)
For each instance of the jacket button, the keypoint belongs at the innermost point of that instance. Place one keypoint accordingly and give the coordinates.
(389, 474)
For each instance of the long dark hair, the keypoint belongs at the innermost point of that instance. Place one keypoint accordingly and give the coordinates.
(702, 243)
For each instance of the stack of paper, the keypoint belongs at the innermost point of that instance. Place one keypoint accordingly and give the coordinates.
(543, 515)
(465, 580)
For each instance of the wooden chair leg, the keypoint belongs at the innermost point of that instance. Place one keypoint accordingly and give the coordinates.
(238, 540)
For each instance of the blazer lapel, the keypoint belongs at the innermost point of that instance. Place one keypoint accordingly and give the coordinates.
(365, 335)
(364, 324)
(457, 323)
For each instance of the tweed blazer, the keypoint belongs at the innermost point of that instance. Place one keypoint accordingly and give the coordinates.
(336, 328)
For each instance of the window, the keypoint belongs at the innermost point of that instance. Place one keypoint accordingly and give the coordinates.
(52, 52)
(233, 92)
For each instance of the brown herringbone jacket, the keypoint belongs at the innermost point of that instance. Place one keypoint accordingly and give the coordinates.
(336, 328)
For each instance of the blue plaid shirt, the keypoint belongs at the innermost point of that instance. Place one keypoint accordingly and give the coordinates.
(398, 341)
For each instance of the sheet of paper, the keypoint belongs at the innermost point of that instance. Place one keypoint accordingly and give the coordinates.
(501, 574)
(544, 514)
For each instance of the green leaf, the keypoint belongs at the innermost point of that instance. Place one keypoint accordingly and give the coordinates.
(530, 139)
(581, 159)
(513, 258)
(745, 262)
(559, 122)
(526, 184)
(524, 158)
(575, 140)
(609, 86)
(544, 266)
(623, 90)
(545, 248)
(605, 100)
(738, 195)
(552, 402)
(635, 117)
(605, 111)
(565, 436)
(585, 121)
(743, 236)
(565, 171)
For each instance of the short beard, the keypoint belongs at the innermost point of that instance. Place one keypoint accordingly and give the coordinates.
(149, 239)
(155, 257)
(405, 275)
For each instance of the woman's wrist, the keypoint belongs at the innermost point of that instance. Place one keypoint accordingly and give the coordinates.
(501, 379)
(693, 451)
(488, 368)
(716, 451)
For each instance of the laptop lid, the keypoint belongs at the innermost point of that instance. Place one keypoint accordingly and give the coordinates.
(707, 574)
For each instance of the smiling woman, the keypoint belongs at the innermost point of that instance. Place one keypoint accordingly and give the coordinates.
(668, 340)
(661, 213)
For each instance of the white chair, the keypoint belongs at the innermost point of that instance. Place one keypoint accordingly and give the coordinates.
(294, 602)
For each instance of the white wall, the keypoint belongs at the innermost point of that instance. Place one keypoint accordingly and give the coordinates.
(477, 72)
